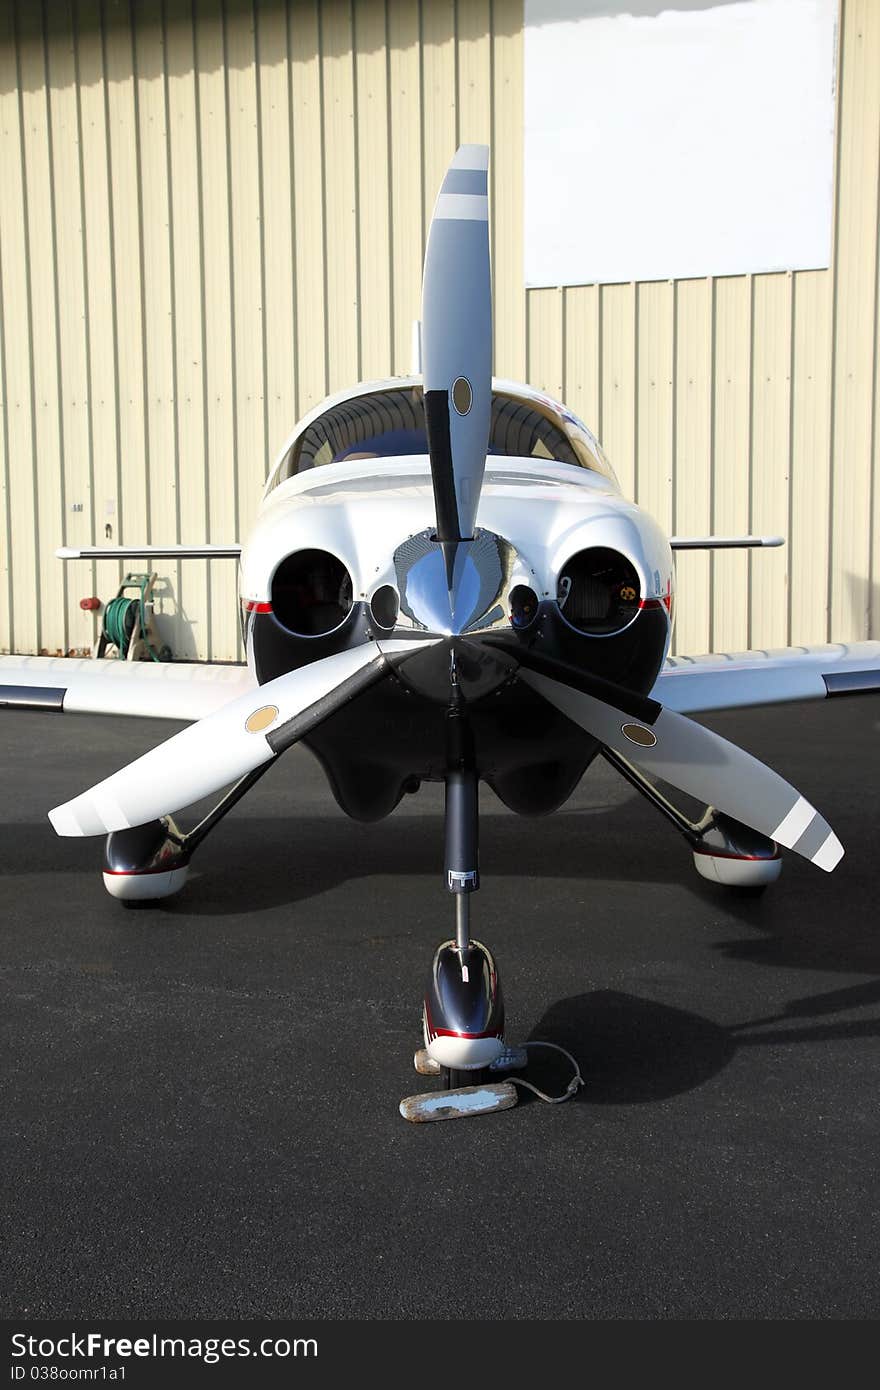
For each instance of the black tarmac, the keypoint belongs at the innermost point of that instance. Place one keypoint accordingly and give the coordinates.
(199, 1100)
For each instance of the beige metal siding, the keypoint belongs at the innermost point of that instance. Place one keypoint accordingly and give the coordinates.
(212, 215)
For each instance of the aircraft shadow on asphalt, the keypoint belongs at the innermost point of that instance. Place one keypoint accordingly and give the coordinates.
(632, 1050)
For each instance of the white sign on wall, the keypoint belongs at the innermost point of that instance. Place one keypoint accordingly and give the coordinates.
(675, 138)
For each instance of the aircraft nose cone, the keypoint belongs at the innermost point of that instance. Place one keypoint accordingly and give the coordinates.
(459, 592)
(427, 595)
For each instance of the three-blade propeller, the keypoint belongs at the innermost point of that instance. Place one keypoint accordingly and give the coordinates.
(457, 348)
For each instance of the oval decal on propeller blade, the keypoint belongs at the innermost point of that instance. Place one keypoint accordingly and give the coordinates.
(637, 733)
(462, 395)
(261, 719)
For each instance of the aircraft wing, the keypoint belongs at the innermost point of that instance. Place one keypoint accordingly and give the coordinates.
(153, 690)
(730, 680)
(192, 690)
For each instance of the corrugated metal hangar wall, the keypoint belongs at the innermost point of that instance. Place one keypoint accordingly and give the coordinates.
(212, 215)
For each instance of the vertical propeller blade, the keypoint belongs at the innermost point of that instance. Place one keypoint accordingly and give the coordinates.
(457, 342)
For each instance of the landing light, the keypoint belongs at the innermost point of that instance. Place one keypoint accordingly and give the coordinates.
(523, 606)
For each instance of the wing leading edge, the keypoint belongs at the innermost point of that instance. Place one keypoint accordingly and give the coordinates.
(150, 690)
(728, 680)
(191, 690)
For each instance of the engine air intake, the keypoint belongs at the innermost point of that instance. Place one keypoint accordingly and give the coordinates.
(311, 593)
(598, 591)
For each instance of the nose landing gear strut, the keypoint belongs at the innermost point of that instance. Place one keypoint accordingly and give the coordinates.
(463, 1011)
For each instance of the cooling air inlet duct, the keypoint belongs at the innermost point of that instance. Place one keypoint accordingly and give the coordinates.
(598, 591)
(312, 593)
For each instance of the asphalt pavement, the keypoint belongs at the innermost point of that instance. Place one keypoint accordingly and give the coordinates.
(199, 1100)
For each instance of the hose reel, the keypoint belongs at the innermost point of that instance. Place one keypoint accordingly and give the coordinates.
(127, 623)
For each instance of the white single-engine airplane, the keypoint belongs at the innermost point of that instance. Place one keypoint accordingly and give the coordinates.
(444, 582)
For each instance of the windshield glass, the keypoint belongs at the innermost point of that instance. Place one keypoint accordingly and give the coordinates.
(388, 424)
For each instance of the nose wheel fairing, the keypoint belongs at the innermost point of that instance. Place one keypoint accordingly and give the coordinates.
(464, 1007)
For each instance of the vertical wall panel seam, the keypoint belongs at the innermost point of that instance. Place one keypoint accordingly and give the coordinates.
(873, 594)
(421, 26)
(4, 392)
(233, 326)
(358, 256)
(203, 329)
(563, 329)
(873, 598)
(600, 359)
(322, 165)
(264, 309)
(492, 161)
(673, 501)
(114, 304)
(89, 405)
(293, 167)
(30, 331)
(56, 299)
(236, 509)
(172, 291)
(713, 352)
(635, 389)
(750, 428)
(392, 232)
(790, 542)
(835, 279)
(261, 213)
(145, 387)
(872, 484)
(422, 103)
(456, 74)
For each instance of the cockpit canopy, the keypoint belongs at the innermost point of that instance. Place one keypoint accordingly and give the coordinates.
(389, 422)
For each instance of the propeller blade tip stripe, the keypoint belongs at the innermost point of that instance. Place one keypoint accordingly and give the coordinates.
(474, 181)
(793, 825)
(470, 157)
(813, 838)
(64, 821)
(108, 811)
(95, 812)
(809, 834)
(829, 854)
(462, 207)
